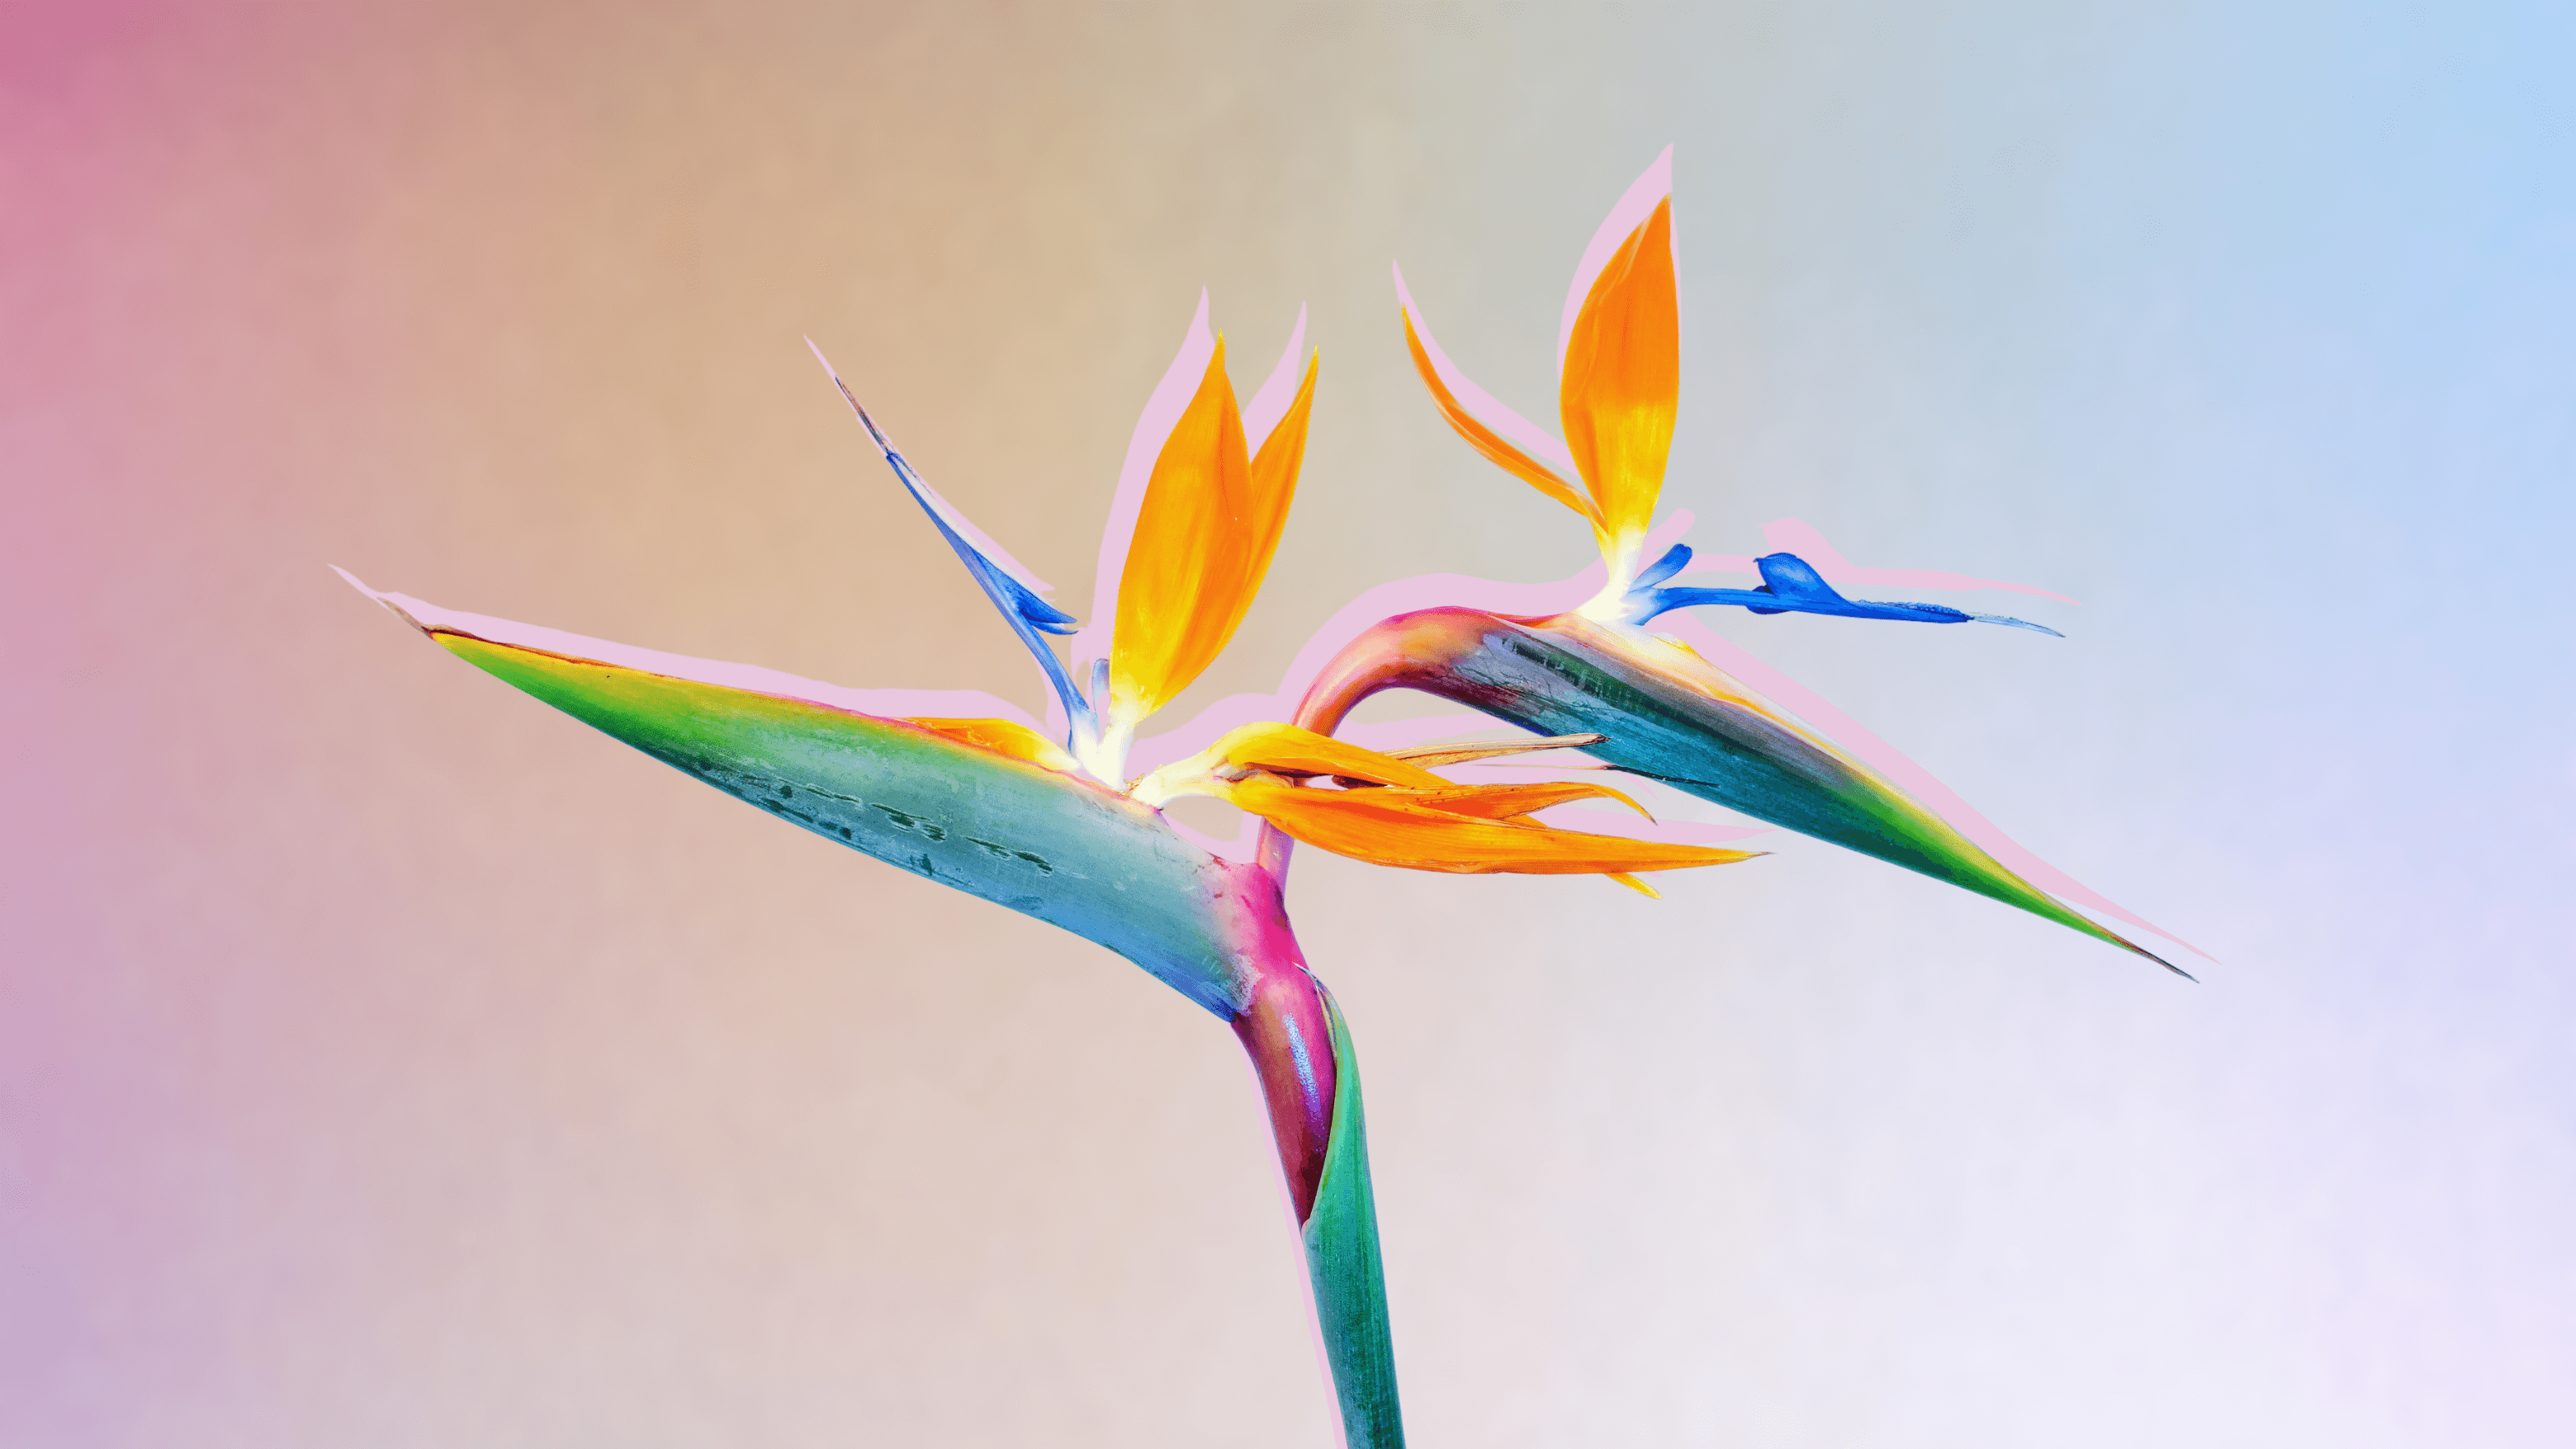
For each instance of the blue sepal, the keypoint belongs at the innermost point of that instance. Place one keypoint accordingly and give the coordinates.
(1040, 614)
(1791, 586)
(1022, 609)
(1675, 559)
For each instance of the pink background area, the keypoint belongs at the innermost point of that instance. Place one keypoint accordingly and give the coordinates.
(387, 1060)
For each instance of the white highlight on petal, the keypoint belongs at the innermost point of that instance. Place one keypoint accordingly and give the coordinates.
(1633, 209)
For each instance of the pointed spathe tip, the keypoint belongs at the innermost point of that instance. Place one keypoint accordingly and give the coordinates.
(2159, 960)
(397, 610)
(847, 396)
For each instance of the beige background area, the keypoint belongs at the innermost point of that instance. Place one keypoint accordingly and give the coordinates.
(386, 1060)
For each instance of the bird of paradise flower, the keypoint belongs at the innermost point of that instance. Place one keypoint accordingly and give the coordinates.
(963, 789)
(1666, 712)
(1048, 820)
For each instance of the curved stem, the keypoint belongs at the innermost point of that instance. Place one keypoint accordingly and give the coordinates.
(1389, 655)
(1301, 1054)
(1413, 650)
(1290, 1040)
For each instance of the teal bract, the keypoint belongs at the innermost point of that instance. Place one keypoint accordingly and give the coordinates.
(1666, 714)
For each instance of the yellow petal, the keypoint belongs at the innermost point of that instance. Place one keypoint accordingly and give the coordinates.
(1004, 737)
(1490, 443)
(1209, 523)
(1284, 749)
(1391, 827)
(1622, 380)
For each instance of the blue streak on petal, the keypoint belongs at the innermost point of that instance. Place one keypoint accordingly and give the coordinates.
(1025, 612)
(1791, 586)
(1098, 684)
(1021, 608)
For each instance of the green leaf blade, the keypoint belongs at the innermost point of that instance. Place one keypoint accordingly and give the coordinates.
(1572, 676)
(1063, 850)
(1346, 1267)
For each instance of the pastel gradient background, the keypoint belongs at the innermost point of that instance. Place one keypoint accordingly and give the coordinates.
(386, 1060)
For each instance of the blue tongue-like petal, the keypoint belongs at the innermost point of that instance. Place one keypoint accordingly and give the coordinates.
(1011, 588)
(1790, 585)
(1796, 581)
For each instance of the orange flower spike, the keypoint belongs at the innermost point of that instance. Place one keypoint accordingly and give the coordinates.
(1401, 814)
(1210, 521)
(1274, 486)
(1518, 802)
(1394, 827)
(1490, 443)
(1622, 381)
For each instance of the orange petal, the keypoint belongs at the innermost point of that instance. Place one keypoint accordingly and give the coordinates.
(1622, 380)
(1511, 802)
(1432, 757)
(1210, 521)
(1390, 827)
(1274, 470)
(1004, 737)
(1490, 443)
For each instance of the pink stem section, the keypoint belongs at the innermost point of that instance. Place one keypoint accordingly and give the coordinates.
(1286, 1033)
(1392, 655)
(1272, 850)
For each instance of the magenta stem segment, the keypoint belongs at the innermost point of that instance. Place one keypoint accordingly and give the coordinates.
(1284, 1030)
(1291, 1046)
